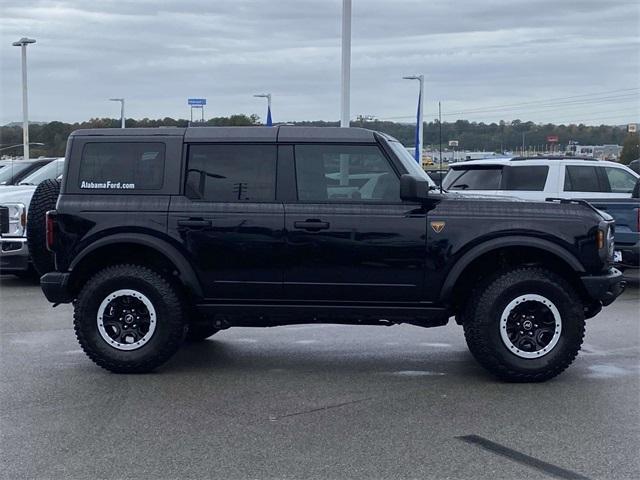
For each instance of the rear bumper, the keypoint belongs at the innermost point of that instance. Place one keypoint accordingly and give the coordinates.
(55, 286)
(604, 288)
(14, 254)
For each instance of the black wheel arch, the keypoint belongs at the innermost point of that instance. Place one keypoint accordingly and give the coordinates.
(159, 248)
(567, 259)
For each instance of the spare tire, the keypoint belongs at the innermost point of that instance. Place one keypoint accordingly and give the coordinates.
(44, 199)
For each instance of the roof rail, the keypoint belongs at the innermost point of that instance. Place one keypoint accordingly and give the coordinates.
(553, 157)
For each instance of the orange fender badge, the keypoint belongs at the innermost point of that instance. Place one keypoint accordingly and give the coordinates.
(437, 226)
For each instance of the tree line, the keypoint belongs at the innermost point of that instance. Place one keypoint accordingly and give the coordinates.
(496, 137)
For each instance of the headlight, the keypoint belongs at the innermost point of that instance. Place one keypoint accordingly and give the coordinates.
(17, 219)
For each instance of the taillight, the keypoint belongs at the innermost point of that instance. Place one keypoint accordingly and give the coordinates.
(50, 229)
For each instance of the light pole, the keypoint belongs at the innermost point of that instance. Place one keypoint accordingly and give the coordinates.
(121, 100)
(21, 145)
(23, 42)
(419, 122)
(268, 97)
(346, 64)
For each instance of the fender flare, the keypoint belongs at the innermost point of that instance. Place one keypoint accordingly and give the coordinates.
(497, 243)
(185, 270)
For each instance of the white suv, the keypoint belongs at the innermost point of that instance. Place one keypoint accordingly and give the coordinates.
(538, 178)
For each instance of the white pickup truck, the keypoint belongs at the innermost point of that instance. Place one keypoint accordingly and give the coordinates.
(14, 253)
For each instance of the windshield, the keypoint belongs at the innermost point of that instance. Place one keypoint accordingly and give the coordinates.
(12, 169)
(409, 162)
(49, 171)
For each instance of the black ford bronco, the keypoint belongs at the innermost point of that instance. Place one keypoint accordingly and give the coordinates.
(165, 234)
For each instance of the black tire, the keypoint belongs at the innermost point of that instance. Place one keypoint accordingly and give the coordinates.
(44, 199)
(201, 331)
(488, 304)
(166, 300)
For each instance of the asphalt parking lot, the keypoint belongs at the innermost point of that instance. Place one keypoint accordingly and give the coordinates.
(312, 401)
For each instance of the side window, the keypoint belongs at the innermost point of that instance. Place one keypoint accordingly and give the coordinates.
(526, 177)
(121, 166)
(231, 173)
(620, 180)
(474, 178)
(339, 173)
(578, 178)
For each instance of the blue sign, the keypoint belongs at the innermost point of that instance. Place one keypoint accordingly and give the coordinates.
(199, 102)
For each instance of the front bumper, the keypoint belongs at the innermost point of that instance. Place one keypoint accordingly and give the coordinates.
(604, 288)
(55, 286)
(14, 254)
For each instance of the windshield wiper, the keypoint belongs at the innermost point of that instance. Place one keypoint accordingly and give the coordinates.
(461, 186)
(25, 183)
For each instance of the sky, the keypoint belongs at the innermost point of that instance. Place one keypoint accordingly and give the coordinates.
(540, 60)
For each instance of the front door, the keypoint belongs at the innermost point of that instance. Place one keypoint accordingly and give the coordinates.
(349, 236)
(229, 222)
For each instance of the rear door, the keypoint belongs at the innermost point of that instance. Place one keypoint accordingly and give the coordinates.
(229, 221)
(530, 182)
(597, 181)
(349, 236)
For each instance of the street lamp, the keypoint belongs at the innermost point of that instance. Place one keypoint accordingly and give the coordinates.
(121, 100)
(419, 126)
(23, 42)
(21, 145)
(268, 97)
(346, 64)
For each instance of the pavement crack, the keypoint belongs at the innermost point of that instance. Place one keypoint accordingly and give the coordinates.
(274, 418)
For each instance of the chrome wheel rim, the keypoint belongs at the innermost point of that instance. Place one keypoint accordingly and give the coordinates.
(530, 326)
(126, 319)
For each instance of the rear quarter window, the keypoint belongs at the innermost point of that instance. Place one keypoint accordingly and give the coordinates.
(122, 166)
(525, 178)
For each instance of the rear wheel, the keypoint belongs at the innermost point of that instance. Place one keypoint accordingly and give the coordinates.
(129, 319)
(525, 325)
(44, 199)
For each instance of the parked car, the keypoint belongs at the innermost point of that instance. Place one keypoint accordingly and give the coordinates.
(538, 178)
(14, 207)
(626, 213)
(162, 233)
(13, 172)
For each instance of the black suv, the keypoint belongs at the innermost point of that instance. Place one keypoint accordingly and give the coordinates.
(162, 234)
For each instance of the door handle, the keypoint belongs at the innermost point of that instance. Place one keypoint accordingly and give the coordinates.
(194, 223)
(313, 225)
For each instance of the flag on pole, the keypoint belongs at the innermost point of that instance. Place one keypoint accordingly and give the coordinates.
(269, 122)
(417, 151)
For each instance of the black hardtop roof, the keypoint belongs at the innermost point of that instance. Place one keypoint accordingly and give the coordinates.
(281, 133)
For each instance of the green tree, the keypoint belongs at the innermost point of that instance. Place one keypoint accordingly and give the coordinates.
(630, 148)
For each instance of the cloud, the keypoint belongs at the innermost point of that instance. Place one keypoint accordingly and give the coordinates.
(474, 55)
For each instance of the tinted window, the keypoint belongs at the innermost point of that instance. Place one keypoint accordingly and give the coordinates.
(232, 173)
(473, 178)
(620, 180)
(9, 173)
(122, 166)
(581, 179)
(529, 178)
(344, 173)
(50, 171)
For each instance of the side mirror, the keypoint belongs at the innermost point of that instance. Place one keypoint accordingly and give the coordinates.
(413, 188)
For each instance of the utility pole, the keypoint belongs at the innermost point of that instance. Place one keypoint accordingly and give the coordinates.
(22, 43)
(346, 64)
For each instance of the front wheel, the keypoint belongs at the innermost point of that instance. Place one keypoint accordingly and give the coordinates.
(129, 319)
(525, 325)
